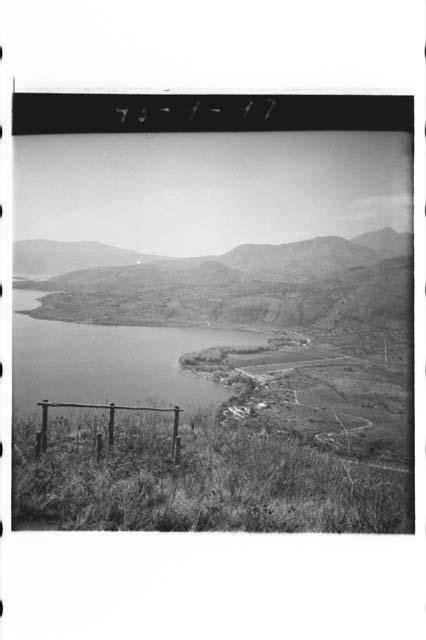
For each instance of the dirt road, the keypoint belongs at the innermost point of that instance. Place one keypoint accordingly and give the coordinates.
(330, 436)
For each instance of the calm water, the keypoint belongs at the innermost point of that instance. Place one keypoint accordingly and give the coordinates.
(63, 361)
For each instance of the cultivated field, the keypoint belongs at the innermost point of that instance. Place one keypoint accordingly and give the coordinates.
(261, 369)
(280, 356)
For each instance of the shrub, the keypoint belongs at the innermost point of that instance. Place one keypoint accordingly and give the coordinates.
(240, 477)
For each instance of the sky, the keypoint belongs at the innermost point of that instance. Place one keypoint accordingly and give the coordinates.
(190, 194)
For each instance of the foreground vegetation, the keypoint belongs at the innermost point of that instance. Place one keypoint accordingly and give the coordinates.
(233, 477)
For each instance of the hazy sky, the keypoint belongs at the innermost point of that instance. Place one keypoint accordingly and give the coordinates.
(196, 194)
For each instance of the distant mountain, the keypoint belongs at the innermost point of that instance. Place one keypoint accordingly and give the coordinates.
(49, 257)
(292, 262)
(387, 242)
(297, 261)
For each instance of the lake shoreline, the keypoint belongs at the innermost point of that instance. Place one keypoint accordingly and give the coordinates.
(123, 363)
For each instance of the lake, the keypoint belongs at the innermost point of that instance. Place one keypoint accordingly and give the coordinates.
(63, 361)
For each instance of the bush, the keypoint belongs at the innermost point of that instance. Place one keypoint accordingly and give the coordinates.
(245, 477)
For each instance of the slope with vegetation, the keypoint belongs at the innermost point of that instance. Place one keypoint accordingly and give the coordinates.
(229, 479)
(361, 301)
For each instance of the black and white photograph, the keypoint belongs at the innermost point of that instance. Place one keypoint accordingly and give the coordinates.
(212, 312)
(213, 330)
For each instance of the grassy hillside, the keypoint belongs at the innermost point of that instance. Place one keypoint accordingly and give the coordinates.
(357, 300)
(229, 479)
(380, 296)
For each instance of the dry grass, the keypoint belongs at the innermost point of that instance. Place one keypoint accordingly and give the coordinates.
(234, 478)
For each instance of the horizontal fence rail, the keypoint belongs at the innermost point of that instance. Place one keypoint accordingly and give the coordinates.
(104, 406)
(41, 436)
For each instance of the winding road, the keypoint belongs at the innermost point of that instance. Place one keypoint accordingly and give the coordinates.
(260, 373)
(328, 437)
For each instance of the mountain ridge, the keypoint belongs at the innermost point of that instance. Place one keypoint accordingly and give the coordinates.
(386, 241)
(316, 257)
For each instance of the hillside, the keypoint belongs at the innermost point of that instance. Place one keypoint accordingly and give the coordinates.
(387, 242)
(212, 294)
(380, 296)
(49, 257)
(328, 284)
(298, 261)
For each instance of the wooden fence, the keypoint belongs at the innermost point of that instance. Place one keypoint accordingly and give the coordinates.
(42, 436)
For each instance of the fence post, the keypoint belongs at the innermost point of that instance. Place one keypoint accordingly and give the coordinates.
(98, 447)
(175, 430)
(38, 445)
(111, 424)
(177, 450)
(44, 409)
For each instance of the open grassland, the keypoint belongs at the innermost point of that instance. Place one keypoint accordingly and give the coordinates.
(231, 477)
